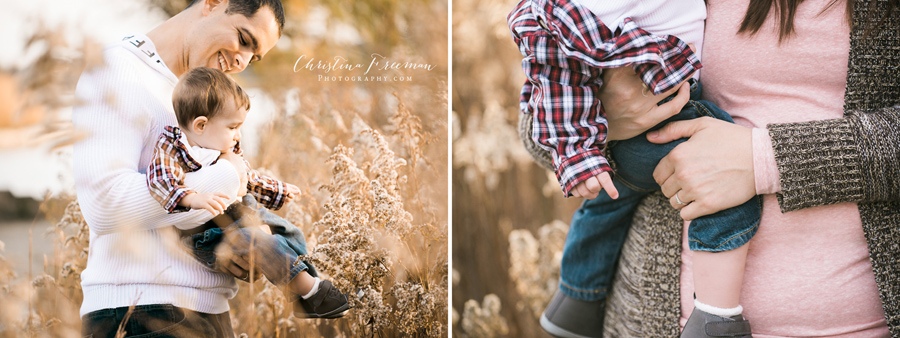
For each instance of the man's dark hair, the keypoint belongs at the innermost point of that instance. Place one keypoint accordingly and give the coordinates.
(249, 7)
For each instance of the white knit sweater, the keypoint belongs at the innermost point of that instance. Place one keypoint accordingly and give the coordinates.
(135, 256)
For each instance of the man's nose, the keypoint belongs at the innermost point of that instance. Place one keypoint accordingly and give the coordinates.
(240, 60)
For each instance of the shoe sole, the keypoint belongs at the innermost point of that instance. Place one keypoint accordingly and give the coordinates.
(557, 331)
(333, 314)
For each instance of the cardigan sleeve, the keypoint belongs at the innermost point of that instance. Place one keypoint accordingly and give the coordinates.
(852, 159)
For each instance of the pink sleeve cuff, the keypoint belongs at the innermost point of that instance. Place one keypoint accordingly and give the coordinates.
(765, 169)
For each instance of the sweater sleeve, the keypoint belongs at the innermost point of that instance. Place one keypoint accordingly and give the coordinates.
(115, 118)
(852, 159)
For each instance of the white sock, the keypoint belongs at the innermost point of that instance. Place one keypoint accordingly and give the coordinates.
(313, 290)
(717, 310)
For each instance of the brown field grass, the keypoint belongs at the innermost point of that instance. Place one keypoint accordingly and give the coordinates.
(509, 216)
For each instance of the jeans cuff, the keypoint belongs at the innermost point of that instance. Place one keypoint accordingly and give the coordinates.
(298, 267)
(590, 295)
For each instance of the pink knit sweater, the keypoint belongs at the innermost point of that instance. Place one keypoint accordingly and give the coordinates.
(808, 272)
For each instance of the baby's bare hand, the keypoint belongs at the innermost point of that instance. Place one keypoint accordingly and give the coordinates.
(292, 191)
(214, 203)
(590, 188)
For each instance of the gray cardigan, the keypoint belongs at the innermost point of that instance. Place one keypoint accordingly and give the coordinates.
(852, 159)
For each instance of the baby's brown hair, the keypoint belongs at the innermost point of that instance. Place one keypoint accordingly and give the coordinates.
(201, 92)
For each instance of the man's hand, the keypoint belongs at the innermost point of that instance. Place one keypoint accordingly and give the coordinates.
(236, 265)
(292, 192)
(214, 203)
(239, 244)
(631, 107)
(240, 166)
(232, 254)
(591, 187)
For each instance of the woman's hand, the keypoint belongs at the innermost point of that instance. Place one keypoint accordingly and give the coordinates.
(711, 171)
(631, 108)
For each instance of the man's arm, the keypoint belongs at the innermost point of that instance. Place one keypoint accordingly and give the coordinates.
(116, 117)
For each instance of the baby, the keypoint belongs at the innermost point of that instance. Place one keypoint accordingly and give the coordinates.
(566, 45)
(210, 108)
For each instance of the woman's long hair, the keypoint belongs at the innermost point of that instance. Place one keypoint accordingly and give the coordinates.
(758, 10)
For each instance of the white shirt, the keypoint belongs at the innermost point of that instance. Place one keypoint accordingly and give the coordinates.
(135, 256)
(683, 18)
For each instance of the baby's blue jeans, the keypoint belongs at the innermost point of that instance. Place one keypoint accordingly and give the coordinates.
(598, 228)
(276, 254)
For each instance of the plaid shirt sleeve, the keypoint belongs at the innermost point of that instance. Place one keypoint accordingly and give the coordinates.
(165, 175)
(565, 47)
(270, 192)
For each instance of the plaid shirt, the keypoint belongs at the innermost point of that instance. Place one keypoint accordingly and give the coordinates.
(565, 49)
(171, 160)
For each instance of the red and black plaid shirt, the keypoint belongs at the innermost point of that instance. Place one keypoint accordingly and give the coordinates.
(171, 160)
(565, 48)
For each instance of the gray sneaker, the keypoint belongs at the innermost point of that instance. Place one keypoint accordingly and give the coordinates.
(567, 317)
(705, 325)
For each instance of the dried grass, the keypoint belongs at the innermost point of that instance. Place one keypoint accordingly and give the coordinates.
(504, 219)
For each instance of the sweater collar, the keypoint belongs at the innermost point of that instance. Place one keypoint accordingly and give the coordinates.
(141, 46)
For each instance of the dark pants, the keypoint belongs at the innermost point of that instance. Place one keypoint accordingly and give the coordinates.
(277, 259)
(159, 320)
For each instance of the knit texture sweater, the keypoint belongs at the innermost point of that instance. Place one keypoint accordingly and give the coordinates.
(853, 159)
(135, 257)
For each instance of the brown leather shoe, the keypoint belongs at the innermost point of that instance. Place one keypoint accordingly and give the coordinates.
(327, 303)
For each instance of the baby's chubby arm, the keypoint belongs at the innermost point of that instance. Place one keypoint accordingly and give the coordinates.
(215, 203)
(270, 192)
(241, 166)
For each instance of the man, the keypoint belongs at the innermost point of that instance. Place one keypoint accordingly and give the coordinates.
(135, 258)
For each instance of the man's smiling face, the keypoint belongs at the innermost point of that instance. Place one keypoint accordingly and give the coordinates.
(230, 41)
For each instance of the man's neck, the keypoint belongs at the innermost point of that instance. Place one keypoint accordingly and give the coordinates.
(168, 38)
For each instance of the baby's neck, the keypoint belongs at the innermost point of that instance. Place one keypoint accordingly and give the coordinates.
(187, 137)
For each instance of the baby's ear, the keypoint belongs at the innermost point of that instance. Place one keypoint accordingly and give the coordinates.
(199, 124)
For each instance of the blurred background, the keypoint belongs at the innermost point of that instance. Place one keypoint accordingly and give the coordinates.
(509, 215)
(301, 129)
